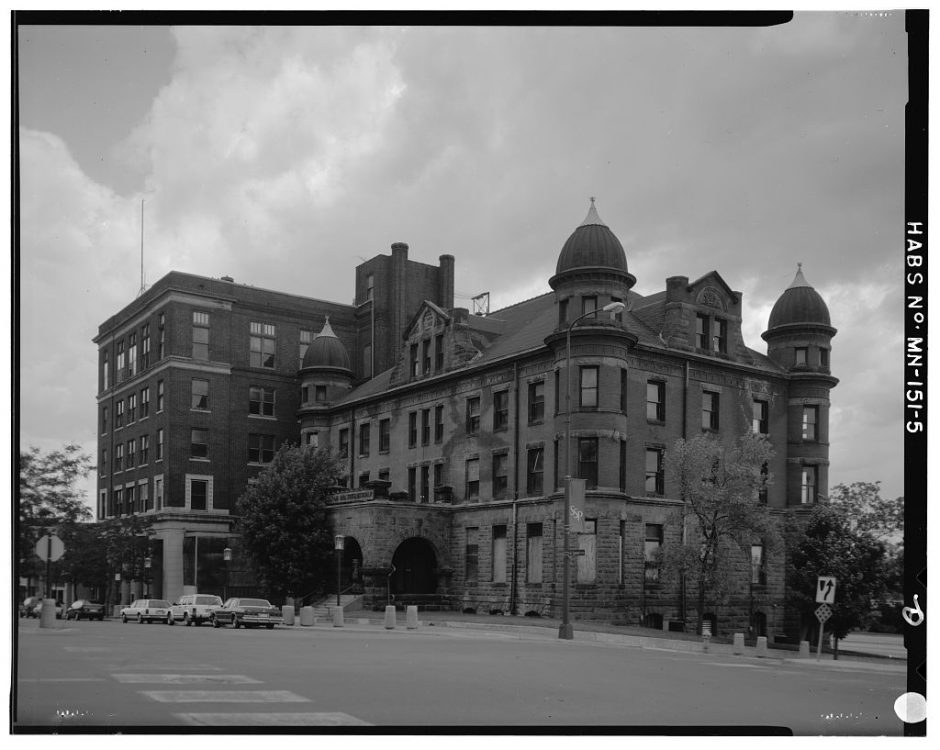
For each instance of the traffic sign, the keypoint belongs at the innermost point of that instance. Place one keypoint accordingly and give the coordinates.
(823, 612)
(49, 548)
(826, 589)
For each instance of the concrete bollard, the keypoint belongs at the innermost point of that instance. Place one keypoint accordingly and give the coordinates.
(306, 616)
(390, 617)
(287, 612)
(337, 617)
(738, 647)
(762, 645)
(116, 611)
(411, 617)
(706, 640)
(665, 625)
(47, 614)
(804, 649)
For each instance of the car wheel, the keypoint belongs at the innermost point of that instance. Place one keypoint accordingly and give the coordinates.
(186, 621)
(215, 622)
(236, 623)
(140, 619)
(169, 618)
(124, 618)
(270, 627)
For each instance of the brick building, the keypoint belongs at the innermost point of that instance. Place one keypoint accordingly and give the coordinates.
(451, 426)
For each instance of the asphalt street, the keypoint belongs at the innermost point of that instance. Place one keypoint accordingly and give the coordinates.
(116, 677)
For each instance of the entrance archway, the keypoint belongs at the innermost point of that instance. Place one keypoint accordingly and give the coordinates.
(352, 564)
(415, 568)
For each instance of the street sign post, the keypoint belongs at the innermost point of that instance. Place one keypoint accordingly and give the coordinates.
(49, 548)
(825, 596)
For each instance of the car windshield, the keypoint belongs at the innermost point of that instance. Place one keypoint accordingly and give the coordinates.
(159, 603)
(254, 603)
(208, 600)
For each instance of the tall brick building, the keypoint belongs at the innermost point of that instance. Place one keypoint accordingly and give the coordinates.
(451, 426)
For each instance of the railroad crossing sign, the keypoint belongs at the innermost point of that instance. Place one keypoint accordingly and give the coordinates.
(823, 613)
(49, 548)
(826, 589)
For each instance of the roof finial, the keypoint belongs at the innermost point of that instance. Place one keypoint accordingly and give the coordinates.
(327, 329)
(592, 217)
(799, 279)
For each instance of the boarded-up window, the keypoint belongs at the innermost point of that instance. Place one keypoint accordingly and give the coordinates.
(472, 554)
(587, 563)
(499, 554)
(533, 555)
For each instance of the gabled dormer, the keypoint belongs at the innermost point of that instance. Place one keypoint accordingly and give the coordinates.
(704, 316)
(424, 348)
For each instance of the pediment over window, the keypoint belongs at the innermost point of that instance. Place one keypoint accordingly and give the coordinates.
(429, 317)
(711, 291)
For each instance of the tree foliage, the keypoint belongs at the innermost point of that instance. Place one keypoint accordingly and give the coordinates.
(830, 543)
(719, 485)
(866, 511)
(283, 521)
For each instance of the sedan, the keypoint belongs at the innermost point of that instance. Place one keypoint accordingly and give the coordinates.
(146, 610)
(37, 610)
(85, 609)
(241, 612)
(27, 608)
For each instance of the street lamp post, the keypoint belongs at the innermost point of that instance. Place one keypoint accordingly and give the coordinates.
(338, 546)
(147, 564)
(566, 630)
(226, 558)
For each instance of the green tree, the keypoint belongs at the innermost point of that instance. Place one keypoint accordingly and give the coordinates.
(721, 515)
(48, 497)
(826, 544)
(866, 511)
(283, 521)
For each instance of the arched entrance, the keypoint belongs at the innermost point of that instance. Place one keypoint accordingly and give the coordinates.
(352, 565)
(415, 568)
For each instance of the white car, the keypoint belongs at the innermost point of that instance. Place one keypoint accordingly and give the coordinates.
(193, 609)
(146, 610)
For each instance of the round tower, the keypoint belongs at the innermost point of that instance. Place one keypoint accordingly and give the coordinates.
(799, 335)
(325, 377)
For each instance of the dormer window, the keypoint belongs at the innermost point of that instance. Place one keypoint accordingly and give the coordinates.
(711, 334)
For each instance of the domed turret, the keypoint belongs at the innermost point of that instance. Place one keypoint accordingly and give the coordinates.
(800, 304)
(326, 351)
(592, 245)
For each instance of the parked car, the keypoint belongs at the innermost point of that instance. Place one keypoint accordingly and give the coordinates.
(241, 612)
(193, 609)
(85, 609)
(146, 610)
(59, 608)
(28, 605)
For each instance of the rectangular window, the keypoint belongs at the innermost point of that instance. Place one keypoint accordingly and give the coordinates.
(119, 413)
(104, 420)
(201, 335)
(158, 493)
(363, 479)
(160, 393)
(198, 494)
(319, 393)
(415, 364)
(808, 485)
(801, 356)
(385, 439)
(758, 572)
(105, 374)
(587, 543)
(344, 443)
(118, 501)
(617, 316)
(701, 331)
(824, 358)
(810, 418)
(473, 415)
(132, 355)
(145, 346)
(709, 410)
(439, 352)
(144, 402)
(589, 387)
(587, 461)
(120, 362)
(305, 339)
(473, 478)
(365, 432)
(499, 554)
(145, 502)
(262, 345)
(651, 547)
(533, 553)
(261, 401)
(535, 469)
(199, 443)
(425, 484)
(412, 429)
(500, 475)
(472, 554)
(425, 426)
(260, 448)
(438, 475)
(370, 286)
(103, 469)
(159, 447)
(132, 408)
(385, 475)
(589, 305)
(161, 336)
(719, 341)
(500, 410)
(144, 449)
(562, 312)
(412, 483)
(655, 479)
(131, 453)
(200, 394)
(760, 417)
(536, 401)
(438, 423)
(623, 391)
(623, 465)
(655, 401)
(426, 356)
(119, 457)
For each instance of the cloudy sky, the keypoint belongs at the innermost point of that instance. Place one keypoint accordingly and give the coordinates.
(283, 156)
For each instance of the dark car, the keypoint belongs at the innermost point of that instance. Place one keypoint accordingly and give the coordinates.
(85, 609)
(243, 612)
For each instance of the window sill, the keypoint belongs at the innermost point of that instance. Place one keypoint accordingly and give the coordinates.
(659, 422)
(199, 460)
(266, 417)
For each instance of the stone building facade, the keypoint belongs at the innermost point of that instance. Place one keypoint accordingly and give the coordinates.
(452, 427)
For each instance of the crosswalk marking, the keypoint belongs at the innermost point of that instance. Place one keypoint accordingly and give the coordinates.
(186, 679)
(224, 696)
(328, 719)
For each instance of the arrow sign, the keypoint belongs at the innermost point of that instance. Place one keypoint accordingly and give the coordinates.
(826, 589)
